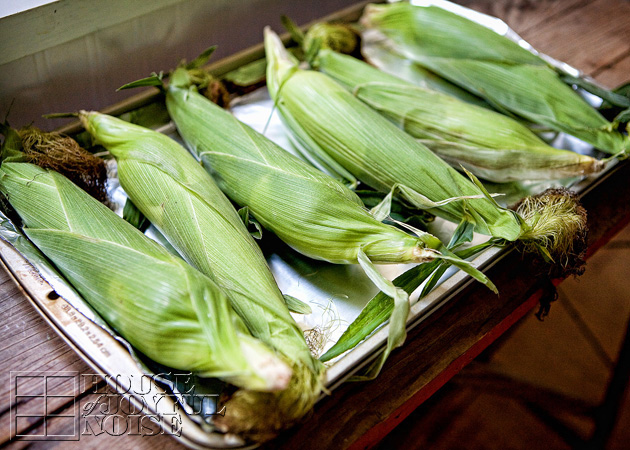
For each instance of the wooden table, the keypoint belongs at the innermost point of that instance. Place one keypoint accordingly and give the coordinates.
(592, 35)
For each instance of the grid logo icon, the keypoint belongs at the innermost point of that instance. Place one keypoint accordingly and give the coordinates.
(44, 405)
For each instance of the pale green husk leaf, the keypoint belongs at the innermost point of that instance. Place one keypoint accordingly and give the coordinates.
(135, 284)
(370, 147)
(491, 145)
(174, 192)
(489, 65)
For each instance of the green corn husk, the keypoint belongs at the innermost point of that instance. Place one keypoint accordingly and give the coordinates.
(377, 53)
(333, 36)
(166, 309)
(489, 65)
(310, 211)
(313, 213)
(380, 307)
(177, 195)
(491, 145)
(342, 129)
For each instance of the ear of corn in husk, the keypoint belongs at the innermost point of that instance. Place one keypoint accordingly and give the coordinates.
(177, 195)
(312, 212)
(491, 145)
(158, 303)
(379, 154)
(310, 103)
(489, 65)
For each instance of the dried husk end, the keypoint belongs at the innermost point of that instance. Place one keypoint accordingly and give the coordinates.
(261, 416)
(423, 255)
(217, 93)
(557, 230)
(210, 87)
(595, 166)
(334, 36)
(64, 155)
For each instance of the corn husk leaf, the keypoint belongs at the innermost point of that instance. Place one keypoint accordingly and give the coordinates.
(248, 74)
(610, 97)
(181, 200)
(198, 330)
(296, 305)
(255, 229)
(509, 77)
(377, 311)
(614, 108)
(172, 189)
(491, 145)
(398, 211)
(134, 216)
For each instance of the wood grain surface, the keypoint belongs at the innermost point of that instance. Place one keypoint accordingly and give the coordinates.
(592, 35)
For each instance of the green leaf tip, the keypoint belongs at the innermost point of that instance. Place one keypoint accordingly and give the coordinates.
(153, 80)
(293, 29)
(296, 305)
(202, 59)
